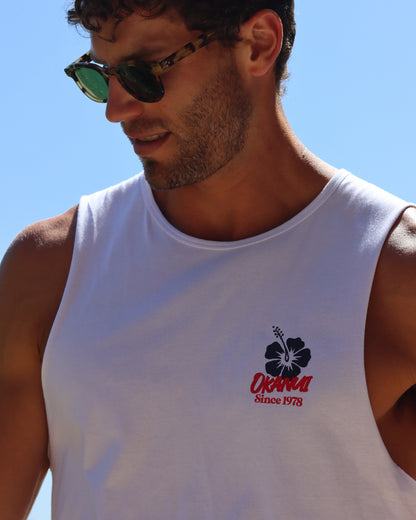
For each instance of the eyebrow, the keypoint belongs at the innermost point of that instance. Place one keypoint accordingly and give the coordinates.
(143, 55)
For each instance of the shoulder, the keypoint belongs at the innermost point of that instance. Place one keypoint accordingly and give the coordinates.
(401, 242)
(33, 275)
(396, 271)
(46, 233)
(42, 246)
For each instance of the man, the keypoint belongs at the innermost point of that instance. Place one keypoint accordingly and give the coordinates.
(230, 336)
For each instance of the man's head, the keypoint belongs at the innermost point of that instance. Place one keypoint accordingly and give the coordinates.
(223, 17)
(212, 104)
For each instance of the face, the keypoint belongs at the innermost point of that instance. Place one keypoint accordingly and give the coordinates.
(200, 124)
(209, 133)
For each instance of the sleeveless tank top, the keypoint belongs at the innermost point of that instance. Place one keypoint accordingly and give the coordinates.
(189, 379)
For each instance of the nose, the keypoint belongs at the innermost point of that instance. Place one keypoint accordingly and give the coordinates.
(121, 106)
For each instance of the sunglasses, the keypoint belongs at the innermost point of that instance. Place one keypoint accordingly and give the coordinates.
(141, 79)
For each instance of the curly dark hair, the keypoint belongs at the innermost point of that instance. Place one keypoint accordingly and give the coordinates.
(222, 16)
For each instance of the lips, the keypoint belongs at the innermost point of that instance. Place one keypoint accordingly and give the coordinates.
(148, 144)
(151, 138)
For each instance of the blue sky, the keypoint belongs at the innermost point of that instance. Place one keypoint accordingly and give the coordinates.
(351, 100)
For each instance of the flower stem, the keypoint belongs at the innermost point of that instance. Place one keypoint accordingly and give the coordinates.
(279, 335)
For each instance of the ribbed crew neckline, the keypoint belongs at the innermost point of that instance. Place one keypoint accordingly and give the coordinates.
(328, 190)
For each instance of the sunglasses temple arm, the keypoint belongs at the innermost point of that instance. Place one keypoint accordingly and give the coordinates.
(85, 58)
(190, 48)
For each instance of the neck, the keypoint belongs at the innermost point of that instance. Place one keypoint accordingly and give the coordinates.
(268, 183)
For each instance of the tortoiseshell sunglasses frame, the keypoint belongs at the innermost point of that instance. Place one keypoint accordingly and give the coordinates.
(154, 68)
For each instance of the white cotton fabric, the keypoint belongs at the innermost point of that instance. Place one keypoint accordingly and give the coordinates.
(148, 372)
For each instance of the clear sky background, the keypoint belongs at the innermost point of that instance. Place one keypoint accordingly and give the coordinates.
(351, 100)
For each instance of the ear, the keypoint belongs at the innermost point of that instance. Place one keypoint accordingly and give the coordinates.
(263, 34)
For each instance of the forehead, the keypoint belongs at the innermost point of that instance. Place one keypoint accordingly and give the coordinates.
(139, 37)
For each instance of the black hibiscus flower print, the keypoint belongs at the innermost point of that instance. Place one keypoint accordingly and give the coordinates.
(287, 357)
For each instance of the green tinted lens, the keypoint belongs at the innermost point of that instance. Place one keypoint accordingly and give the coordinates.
(140, 82)
(92, 83)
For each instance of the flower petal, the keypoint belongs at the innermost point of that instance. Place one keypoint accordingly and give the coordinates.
(295, 344)
(290, 371)
(274, 351)
(274, 368)
(303, 357)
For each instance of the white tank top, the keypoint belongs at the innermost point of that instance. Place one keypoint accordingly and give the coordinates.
(187, 379)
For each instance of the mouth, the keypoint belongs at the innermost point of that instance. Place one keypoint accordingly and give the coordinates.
(149, 144)
(150, 138)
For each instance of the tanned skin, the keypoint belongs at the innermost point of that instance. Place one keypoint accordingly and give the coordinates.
(32, 280)
(35, 269)
(390, 343)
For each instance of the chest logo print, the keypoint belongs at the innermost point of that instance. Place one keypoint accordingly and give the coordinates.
(287, 357)
(285, 361)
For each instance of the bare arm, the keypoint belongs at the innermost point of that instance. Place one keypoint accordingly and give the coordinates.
(32, 279)
(391, 344)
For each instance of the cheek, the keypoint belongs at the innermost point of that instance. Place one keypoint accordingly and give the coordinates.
(187, 79)
(179, 92)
